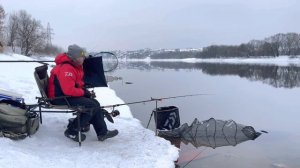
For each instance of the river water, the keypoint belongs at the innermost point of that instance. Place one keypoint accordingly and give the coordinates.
(263, 96)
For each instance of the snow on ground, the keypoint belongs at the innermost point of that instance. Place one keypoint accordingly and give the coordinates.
(279, 61)
(135, 146)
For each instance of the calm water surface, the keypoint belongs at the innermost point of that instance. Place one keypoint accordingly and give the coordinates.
(263, 96)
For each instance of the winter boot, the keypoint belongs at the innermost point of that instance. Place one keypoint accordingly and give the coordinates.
(109, 134)
(71, 134)
(86, 128)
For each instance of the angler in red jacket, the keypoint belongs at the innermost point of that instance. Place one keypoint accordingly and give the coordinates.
(66, 79)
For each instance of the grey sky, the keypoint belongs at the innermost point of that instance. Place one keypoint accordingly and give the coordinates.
(136, 24)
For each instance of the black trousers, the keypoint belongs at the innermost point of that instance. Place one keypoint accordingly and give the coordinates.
(94, 116)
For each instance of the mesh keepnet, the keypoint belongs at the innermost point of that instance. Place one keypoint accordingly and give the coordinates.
(212, 133)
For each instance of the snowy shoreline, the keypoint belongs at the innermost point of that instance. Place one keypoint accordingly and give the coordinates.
(135, 146)
(279, 61)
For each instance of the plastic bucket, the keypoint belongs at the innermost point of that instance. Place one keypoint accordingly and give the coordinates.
(166, 118)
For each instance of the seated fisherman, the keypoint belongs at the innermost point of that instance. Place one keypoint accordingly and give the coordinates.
(66, 79)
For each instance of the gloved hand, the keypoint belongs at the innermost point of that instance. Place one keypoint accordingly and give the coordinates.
(87, 94)
(93, 94)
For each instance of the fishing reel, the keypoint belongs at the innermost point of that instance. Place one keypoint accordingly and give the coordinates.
(109, 116)
(115, 113)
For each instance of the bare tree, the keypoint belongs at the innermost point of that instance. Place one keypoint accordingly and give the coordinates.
(12, 31)
(2, 19)
(254, 47)
(276, 43)
(30, 33)
(295, 45)
(291, 43)
(25, 32)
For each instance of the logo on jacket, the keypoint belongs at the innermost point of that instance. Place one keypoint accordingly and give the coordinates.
(68, 74)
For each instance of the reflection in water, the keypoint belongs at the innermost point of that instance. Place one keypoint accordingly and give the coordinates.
(277, 76)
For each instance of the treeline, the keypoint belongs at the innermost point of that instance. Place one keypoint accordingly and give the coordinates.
(174, 54)
(25, 35)
(143, 53)
(276, 45)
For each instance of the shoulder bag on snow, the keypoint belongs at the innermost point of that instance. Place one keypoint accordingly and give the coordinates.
(15, 121)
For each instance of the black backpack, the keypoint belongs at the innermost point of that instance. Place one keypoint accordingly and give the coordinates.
(15, 121)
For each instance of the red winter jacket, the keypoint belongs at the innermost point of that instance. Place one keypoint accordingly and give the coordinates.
(66, 78)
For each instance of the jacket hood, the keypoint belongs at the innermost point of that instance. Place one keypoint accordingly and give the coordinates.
(63, 58)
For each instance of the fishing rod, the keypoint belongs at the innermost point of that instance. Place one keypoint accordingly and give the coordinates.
(150, 100)
(26, 61)
(145, 101)
(23, 61)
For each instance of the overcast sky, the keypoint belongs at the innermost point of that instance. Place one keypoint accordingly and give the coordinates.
(136, 24)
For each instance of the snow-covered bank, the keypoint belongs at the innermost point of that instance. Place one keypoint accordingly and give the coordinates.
(135, 146)
(280, 61)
